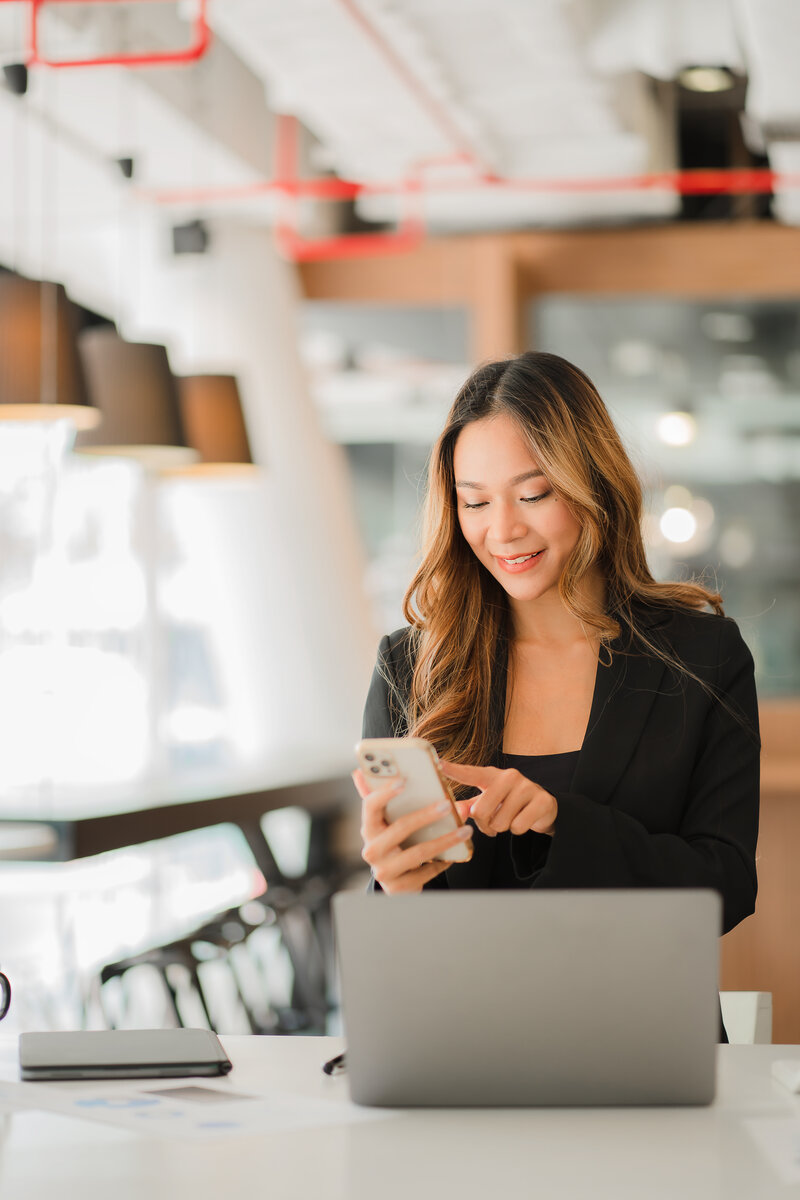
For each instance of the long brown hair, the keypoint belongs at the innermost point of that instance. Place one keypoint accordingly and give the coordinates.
(459, 613)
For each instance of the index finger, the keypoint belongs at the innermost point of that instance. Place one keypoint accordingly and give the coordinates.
(463, 807)
(478, 777)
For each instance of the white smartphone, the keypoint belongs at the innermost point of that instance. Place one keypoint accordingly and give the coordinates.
(416, 763)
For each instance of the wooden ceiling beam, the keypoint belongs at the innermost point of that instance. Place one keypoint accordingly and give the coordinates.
(749, 259)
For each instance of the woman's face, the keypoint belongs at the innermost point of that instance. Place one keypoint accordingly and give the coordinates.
(516, 526)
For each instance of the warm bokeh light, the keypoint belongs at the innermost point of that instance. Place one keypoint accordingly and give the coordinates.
(676, 428)
(678, 525)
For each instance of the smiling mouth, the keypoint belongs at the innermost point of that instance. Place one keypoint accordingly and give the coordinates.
(521, 558)
(520, 562)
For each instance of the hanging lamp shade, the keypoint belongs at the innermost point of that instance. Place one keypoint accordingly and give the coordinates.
(133, 387)
(211, 411)
(41, 374)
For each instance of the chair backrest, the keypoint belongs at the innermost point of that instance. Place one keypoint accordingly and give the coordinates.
(747, 1016)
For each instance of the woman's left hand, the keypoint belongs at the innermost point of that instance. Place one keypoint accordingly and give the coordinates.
(508, 800)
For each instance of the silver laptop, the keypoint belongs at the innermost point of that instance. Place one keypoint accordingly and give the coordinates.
(530, 998)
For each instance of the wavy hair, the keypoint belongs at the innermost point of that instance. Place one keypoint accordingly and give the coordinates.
(459, 613)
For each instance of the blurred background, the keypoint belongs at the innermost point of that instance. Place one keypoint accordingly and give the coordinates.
(249, 249)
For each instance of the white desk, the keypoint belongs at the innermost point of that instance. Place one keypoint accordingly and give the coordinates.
(627, 1154)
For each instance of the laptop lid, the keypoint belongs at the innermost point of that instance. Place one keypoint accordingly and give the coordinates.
(530, 998)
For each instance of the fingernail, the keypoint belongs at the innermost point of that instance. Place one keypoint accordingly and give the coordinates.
(464, 832)
(444, 807)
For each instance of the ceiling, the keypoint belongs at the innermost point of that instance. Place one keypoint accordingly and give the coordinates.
(445, 94)
(525, 89)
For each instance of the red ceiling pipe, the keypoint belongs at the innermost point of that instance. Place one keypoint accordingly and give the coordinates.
(308, 189)
(201, 40)
(699, 182)
(347, 245)
(411, 230)
(706, 181)
(295, 246)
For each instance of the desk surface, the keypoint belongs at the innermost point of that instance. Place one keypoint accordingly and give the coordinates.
(627, 1154)
(70, 828)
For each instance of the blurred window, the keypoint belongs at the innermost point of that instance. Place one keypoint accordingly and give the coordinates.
(707, 397)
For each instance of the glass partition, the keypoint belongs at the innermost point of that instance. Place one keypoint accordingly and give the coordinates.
(383, 378)
(707, 397)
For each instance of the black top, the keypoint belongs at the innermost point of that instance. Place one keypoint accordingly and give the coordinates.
(518, 859)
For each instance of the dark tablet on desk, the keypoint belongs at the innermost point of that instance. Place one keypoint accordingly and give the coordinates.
(121, 1054)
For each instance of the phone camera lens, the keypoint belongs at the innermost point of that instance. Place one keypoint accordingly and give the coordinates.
(385, 762)
(369, 757)
(375, 770)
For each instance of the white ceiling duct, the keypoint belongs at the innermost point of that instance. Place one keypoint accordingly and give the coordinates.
(659, 37)
(518, 92)
(321, 66)
(785, 159)
(770, 31)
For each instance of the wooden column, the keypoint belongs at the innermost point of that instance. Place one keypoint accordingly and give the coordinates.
(497, 303)
(763, 953)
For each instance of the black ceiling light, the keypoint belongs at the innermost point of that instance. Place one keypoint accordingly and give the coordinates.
(190, 238)
(15, 76)
(709, 105)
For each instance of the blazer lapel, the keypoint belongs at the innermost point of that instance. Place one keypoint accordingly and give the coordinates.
(624, 694)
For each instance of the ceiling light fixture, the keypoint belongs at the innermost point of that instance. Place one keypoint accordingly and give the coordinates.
(706, 79)
(133, 387)
(40, 372)
(212, 418)
(213, 422)
(192, 237)
(15, 76)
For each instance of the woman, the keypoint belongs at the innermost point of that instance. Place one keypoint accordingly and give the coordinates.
(601, 727)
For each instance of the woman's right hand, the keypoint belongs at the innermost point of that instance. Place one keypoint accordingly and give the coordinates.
(394, 869)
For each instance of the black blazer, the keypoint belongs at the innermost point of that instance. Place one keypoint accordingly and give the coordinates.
(665, 792)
